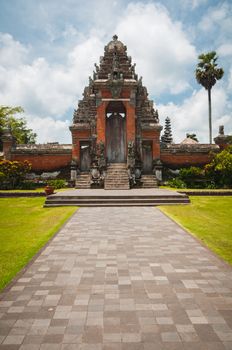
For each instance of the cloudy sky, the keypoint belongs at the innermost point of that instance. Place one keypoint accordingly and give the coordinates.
(48, 49)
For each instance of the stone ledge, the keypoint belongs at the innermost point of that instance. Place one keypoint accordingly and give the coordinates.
(21, 194)
(207, 193)
(189, 148)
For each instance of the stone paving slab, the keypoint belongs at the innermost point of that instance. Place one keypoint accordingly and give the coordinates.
(120, 279)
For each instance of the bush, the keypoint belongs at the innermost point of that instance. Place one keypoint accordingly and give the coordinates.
(28, 185)
(57, 183)
(219, 170)
(194, 177)
(176, 183)
(13, 173)
(190, 173)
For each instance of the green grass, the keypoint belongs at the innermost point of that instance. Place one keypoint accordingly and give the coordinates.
(209, 219)
(25, 227)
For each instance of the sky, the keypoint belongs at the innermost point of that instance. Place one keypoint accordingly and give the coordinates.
(48, 49)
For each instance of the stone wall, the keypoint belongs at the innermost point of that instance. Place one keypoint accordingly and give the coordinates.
(46, 157)
(181, 155)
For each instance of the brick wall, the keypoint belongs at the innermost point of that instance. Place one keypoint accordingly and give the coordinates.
(154, 136)
(45, 162)
(77, 136)
(183, 159)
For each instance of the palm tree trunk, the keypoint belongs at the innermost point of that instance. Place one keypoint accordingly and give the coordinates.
(210, 116)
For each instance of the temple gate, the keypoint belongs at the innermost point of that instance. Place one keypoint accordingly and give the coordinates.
(115, 129)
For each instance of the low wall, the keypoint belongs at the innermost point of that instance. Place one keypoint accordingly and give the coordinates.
(48, 157)
(44, 162)
(178, 156)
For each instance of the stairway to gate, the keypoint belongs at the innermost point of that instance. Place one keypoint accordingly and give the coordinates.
(83, 180)
(122, 198)
(149, 181)
(117, 177)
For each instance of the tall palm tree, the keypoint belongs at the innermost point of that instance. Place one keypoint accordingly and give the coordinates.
(207, 75)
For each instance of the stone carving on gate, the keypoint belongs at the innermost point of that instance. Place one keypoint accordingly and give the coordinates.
(99, 165)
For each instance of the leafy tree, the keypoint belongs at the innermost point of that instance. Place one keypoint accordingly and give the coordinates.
(192, 136)
(207, 75)
(18, 125)
(220, 168)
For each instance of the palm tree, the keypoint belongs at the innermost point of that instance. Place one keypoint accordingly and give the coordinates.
(207, 75)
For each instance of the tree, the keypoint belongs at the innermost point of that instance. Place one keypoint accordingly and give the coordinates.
(18, 125)
(220, 168)
(207, 75)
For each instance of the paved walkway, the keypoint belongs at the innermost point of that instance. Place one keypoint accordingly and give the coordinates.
(120, 279)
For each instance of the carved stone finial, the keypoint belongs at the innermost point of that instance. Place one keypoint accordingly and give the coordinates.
(167, 136)
(115, 37)
(97, 67)
(221, 130)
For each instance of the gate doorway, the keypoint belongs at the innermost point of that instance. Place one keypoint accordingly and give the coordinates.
(85, 159)
(147, 157)
(116, 132)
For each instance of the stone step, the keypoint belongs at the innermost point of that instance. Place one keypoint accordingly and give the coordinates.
(117, 177)
(110, 171)
(112, 205)
(111, 201)
(117, 187)
(149, 181)
(83, 181)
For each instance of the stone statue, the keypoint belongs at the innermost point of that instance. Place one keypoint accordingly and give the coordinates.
(221, 130)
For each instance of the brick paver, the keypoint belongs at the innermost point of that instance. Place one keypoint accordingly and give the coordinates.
(120, 279)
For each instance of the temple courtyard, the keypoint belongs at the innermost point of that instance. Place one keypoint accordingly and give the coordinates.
(120, 278)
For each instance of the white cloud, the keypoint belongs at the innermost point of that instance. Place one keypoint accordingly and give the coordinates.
(49, 129)
(159, 46)
(193, 4)
(45, 89)
(192, 114)
(225, 50)
(164, 55)
(12, 52)
(218, 17)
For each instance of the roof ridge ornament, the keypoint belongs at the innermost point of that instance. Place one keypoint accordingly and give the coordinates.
(115, 37)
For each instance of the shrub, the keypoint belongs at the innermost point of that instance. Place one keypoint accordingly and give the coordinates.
(13, 173)
(220, 169)
(28, 185)
(57, 183)
(190, 173)
(194, 177)
(176, 183)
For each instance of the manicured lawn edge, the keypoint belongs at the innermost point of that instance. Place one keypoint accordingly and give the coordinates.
(202, 243)
(54, 233)
(22, 262)
(216, 236)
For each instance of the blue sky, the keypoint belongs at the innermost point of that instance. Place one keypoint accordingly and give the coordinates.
(48, 49)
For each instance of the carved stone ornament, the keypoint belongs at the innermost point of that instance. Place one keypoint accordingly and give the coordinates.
(116, 88)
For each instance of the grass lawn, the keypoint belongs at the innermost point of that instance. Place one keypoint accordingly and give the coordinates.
(209, 219)
(25, 227)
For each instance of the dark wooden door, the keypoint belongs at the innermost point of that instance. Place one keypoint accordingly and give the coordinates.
(147, 157)
(115, 137)
(85, 159)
